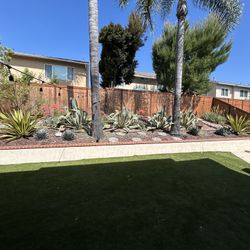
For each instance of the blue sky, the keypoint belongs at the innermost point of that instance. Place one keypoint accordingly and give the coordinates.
(60, 28)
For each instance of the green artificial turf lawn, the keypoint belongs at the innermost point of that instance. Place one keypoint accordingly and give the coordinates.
(181, 201)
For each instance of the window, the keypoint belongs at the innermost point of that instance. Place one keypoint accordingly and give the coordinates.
(48, 71)
(244, 93)
(224, 92)
(60, 72)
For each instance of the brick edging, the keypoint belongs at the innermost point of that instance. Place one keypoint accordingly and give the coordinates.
(116, 143)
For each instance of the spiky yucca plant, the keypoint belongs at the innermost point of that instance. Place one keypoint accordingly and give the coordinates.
(239, 124)
(17, 124)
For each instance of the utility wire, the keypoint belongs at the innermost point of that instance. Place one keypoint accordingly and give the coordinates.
(24, 73)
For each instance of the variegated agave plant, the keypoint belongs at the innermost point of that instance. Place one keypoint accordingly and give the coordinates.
(123, 119)
(188, 120)
(17, 124)
(160, 121)
(76, 119)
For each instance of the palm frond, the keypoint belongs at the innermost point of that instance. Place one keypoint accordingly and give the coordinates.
(228, 11)
(123, 3)
(147, 8)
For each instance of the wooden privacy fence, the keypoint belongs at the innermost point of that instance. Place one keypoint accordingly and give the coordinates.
(228, 108)
(57, 97)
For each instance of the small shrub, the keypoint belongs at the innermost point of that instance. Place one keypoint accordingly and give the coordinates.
(68, 135)
(17, 125)
(188, 120)
(194, 131)
(41, 134)
(239, 125)
(214, 118)
(223, 131)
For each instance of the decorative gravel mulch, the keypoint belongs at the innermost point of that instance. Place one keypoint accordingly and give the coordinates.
(116, 137)
(121, 136)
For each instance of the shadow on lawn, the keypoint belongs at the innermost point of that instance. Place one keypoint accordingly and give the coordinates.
(153, 204)
(246, 170)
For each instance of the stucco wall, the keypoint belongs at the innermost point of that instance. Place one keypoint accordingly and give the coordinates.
(37, 65)
(233, 92)
(140, 83)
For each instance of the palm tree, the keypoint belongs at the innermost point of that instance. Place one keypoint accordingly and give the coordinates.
(94, 69)
(227, 11)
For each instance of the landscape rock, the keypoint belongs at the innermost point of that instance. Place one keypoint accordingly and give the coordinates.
(113, 139)
(136, 139)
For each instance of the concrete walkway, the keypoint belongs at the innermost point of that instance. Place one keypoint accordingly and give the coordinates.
(16, 156)
(245, 155)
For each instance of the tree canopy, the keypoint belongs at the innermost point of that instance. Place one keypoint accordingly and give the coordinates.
(204, 49)
(119, 47)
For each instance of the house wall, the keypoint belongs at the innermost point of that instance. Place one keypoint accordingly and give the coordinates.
(237, 93)
(37, 67)
(219, 88)
(234, 92)
(141, 83)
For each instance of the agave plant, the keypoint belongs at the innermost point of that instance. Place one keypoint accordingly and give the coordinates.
(160, 121)
(239, 125)
(76, 119)
(188, 120)
(123, 119)
(17, 125)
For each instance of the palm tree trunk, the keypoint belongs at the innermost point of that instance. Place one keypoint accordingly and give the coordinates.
(94, 69)
(181, 15)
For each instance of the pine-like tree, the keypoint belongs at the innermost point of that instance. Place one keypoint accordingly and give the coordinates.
(119, 47)
(204, 50)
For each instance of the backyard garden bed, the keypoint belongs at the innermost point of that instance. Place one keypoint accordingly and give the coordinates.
(74, 126)
(119, 136)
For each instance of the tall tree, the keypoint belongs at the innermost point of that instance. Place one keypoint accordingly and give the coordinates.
(94, 69)
(119, 47)
(227, 11)
(204, 49)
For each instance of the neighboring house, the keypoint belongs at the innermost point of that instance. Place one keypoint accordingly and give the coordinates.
(142, 81)
(69, 72)
(231, 91)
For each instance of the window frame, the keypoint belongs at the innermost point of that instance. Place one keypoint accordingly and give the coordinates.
(52, 72)
(223, 90)
(244, 93)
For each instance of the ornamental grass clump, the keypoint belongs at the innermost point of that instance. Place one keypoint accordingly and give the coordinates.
(215, 116)
(17, 124)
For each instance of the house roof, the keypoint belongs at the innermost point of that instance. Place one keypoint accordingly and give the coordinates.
(145, 75)
(231, 84)
(58, 59)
